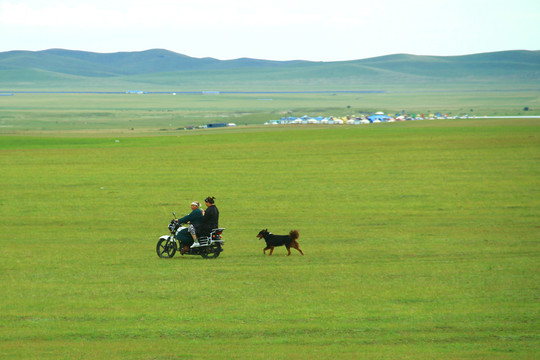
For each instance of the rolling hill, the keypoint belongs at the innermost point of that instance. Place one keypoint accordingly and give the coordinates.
(160, 69)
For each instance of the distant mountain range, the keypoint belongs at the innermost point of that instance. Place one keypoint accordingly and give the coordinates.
(158, 68)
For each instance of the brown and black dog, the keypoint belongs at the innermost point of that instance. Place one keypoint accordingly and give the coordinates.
(290, 241)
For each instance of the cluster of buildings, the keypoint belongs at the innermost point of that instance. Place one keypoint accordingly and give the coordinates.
(378, 117)
(356, 119)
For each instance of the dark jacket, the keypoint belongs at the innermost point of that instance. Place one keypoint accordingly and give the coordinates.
(210, 221)
(194, 218)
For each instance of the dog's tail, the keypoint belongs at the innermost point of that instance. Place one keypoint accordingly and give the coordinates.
(294, 234)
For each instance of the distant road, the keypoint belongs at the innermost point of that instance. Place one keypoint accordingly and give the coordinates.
(510, 117)
(199, 92)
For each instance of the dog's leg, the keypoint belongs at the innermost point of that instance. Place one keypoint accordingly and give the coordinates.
(271, 250)
(297, 247)
(288, 250)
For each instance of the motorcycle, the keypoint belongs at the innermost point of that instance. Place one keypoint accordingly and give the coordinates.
(209, 247)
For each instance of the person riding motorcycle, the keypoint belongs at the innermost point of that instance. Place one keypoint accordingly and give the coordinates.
(209, 221)
(193, 218)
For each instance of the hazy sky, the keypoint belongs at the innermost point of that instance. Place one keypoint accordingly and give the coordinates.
(315, 30)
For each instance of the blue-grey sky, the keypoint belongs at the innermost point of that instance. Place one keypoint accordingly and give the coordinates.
(332, 30)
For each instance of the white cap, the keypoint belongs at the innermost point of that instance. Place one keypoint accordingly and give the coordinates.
(196, 203)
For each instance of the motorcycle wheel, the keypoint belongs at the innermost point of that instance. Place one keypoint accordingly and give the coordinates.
(212, 252)
(165, 248)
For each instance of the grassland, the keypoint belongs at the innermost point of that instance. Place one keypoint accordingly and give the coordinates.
(421, 240)
(157, 113)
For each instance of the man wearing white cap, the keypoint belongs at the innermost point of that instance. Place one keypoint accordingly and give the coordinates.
(193, 218)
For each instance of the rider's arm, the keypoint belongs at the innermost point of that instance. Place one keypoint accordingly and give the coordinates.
(185, 219)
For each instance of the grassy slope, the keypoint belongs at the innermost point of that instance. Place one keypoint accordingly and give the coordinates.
(164, 70)
(420, 242)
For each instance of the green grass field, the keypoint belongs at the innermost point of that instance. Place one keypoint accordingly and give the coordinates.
(421, 242)
(42, 114)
